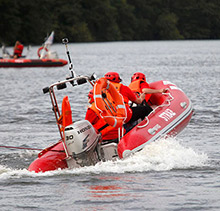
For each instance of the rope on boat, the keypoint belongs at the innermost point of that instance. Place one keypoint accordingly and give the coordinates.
(27, 148)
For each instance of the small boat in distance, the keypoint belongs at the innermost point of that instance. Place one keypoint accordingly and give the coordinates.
(47, 58)
(32, 62)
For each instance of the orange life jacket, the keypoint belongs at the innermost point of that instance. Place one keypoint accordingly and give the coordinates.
(118, 87)
(135, 86)
(108, 132)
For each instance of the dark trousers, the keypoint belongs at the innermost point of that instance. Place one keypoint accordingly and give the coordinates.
(139, 112)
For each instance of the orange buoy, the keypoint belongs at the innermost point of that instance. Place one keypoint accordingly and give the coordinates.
(40, 49)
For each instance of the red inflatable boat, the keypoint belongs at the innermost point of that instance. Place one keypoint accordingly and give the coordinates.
(80, 143)
(32, 62)
(172, 112)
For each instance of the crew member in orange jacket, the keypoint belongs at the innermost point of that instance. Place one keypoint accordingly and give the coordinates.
(133, 113)
(18, 49)
(139, 85)
(109, 133)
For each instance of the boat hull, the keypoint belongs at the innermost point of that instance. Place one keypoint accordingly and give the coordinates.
(32, 62)
(50, 159)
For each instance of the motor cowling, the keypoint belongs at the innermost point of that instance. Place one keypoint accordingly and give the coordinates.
(84, 146)
(80, 137)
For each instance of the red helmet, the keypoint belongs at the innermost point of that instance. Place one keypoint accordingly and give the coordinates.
(137, 76)
(113, 76)
(90, 96)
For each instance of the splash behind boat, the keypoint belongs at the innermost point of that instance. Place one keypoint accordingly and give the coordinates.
(81, 145)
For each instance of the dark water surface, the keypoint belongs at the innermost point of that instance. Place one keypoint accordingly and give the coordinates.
(181, 173)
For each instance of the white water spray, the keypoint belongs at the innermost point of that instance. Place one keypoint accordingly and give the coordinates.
(162, 155)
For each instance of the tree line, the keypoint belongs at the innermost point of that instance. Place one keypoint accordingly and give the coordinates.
(108, 20)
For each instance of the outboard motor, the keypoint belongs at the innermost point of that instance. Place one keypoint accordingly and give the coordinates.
(81, 142)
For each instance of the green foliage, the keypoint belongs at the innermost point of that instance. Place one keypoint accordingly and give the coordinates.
(167, 27)
(9, 15)
(108, 20)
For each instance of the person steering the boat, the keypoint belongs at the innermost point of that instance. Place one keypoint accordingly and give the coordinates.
(133, 113)
(139, 85)
(109, 133)
(18, 49)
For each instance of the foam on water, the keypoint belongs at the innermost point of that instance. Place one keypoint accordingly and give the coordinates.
(162, 155)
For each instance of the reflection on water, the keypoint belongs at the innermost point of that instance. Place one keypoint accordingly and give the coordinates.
(113, 191)
(106, 191)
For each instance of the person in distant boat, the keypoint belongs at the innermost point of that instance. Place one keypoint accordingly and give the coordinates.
(109, 133)
(18, 49)
(139, 85)
(133, 113)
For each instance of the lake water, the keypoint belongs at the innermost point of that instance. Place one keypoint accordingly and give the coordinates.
(181, 173)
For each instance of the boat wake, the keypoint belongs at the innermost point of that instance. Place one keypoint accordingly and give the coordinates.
(163, 155)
